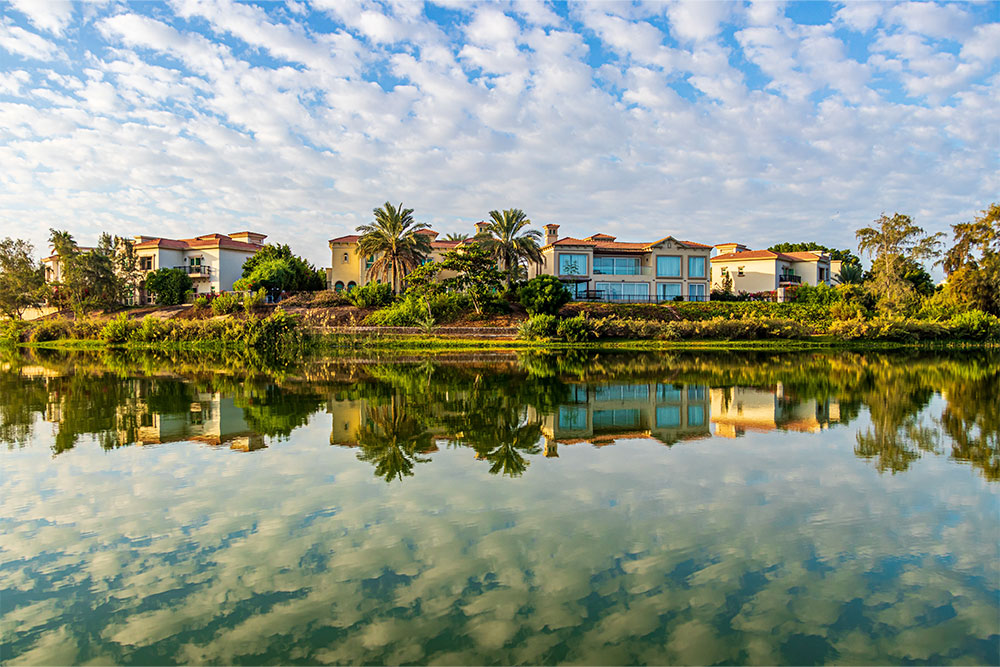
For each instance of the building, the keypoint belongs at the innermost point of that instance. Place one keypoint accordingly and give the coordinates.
(602, 268)
(738, 410)
(213, 261)
(755, 271)
(348, 269)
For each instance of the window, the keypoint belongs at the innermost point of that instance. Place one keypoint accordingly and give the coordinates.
(572, 265)
(696, 415)
(696, 293)
(621, 392)
(346, 259)
(606, 418)
(668, 416)
(739, 271)
(617, 266)
(668, 291)
(146, 263)
(572, 418)
(623, 291)
(338, 286)
(696, 392)
(351, 285)
(195, 261)
(668, 267)
(668, 393)
(696, 267)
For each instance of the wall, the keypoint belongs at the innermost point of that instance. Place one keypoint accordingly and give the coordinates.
(759, 275)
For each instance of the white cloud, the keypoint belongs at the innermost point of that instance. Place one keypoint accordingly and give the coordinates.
(696, 21)
(21, 42)
(50, 15)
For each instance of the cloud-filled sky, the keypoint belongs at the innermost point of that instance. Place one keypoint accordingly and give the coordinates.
(709, 121)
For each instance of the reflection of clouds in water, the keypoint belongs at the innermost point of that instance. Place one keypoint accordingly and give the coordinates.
(710, 551)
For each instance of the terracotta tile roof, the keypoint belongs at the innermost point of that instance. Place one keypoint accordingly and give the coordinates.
(445, 244)
(199, 243)
(767, 254)
(597, 242)
(350, 238)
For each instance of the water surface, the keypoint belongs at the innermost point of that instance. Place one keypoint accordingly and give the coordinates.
(692, 508)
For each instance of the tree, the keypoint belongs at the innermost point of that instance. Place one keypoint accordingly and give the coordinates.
(456, 237)
(509, 245)
(846, 256)
(273, 275)
(124, 265)
(395, 242)
(850, 274)
(475, 270)
(972, 264)
(22, 279)
(544, 295)
(891, 243)
(169, 286)
(87, 279)
(302, 275)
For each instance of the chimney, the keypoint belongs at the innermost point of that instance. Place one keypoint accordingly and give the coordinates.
(551, 234)
(249, 237)
(726, 248)
(481, 227)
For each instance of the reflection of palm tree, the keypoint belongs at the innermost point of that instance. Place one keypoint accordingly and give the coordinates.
(504, 440)
(392, 440)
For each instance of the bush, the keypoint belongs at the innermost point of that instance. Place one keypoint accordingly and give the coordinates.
(150, 330)
(372, 295)
(544, 295)
(538, 327)
(226, 303)
(201, 303)
(49, 330)
(168, 286)
(118, 330)
(745, 329)
(575, 330)
(822, 294)
(975, 325)
(12, 331)
(253, 300)
(634, 329)
(888, 329)
(407, 312)
(325, 299)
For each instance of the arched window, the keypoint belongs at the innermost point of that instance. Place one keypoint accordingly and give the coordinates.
(351, 285)
(339, 286)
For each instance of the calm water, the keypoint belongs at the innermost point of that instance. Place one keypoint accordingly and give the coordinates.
(606, 509)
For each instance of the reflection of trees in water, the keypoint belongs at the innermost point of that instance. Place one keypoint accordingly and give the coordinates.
(392, 439)
(971, 418)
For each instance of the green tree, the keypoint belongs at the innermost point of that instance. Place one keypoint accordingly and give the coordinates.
(851, 274)
(477, 273)
(300, 275)
(168, 286)
(892, 243)
(395, 242)
(845, 256)
(88, 278)
(972, 264)
(273, 275)
(511, 243)
(544, 295)
(22, 279)
(456, 237)
(124, 265)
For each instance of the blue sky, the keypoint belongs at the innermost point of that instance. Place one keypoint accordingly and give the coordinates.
(714, 122)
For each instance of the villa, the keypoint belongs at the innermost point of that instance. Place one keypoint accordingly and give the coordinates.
(213, 261)
(601, 268)
(754, 271)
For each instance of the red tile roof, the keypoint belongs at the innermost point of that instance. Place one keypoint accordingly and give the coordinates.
(767, 254)
(199, 243)
(597, 242)
(350, 238)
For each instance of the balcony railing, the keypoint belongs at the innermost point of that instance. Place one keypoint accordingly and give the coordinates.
(790, 278)
(611, 297)
(196, 270)
(622, 271)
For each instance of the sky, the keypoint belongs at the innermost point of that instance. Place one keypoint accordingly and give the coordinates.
(711, 122)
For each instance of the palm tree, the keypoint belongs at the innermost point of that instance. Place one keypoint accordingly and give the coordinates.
(395, 241)
(508, 247)
(850, 274)
(456, 237)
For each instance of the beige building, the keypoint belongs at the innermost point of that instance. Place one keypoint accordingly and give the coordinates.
(348, 269)
(737, 410)
(755, 271)
(602, 268)
(213, 261)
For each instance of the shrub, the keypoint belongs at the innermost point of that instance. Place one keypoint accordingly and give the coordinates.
(745, 329)
(275, 331)
(821, 294)
(226, 303)
(372, 295)
(201, 303)
(168, 286)
(324, 299)
(407, 312)
(150, 330)
(49, 330)
(842, 310)
(12, 331)
(544, 295)
(575, 329)
(252, 300)
(636, 329)
(538, 326)
(117, 330)
(888, 329)
(449, 307)
(975, 325)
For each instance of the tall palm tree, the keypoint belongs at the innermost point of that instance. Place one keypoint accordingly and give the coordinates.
(509, 245)
(456, 237)
(395, 241)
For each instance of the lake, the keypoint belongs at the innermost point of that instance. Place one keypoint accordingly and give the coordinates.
(595, 508)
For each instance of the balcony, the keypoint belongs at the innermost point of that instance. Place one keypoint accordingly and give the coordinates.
(622, 270)
(790, 279)
(196, 271)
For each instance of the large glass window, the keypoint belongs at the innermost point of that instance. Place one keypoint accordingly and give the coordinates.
(616, 266)
(623, 291)
(621, 392)
(669, 393)
(696, 392)
(668, 291)
(696, 267)
(606, 418)
(572, 265)
(668, 267)
(668, 416)
(572, 418)
(696, 415)
(696, 292)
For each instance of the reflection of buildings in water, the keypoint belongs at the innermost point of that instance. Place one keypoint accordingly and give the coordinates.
(601, 414)
(211, 418)
(736, 410)
(348, 416)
